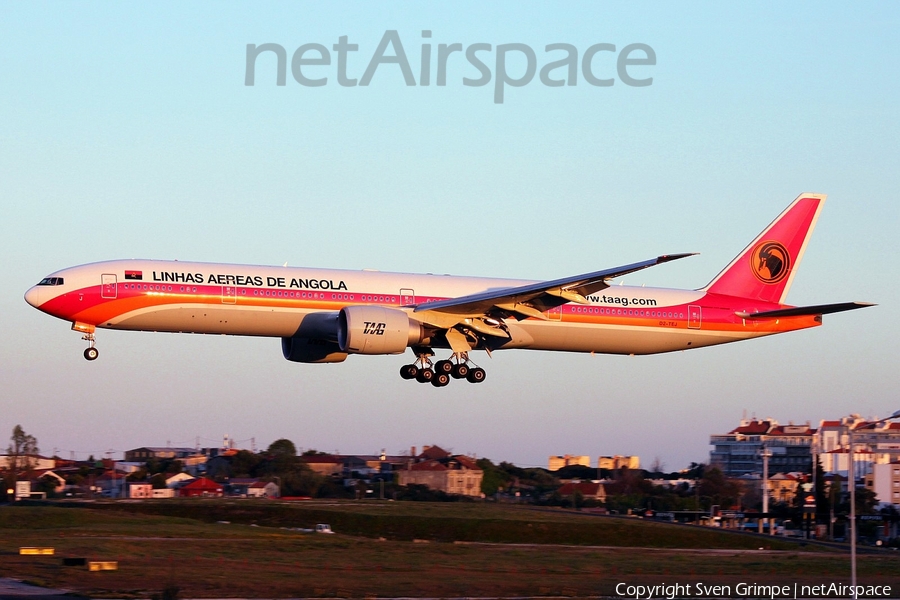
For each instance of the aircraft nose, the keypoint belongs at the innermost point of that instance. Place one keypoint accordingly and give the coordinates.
(34, 296)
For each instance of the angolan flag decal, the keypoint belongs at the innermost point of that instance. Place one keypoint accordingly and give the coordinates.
(134, 275)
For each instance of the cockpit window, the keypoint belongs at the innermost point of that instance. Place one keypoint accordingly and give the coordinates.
(51, 281)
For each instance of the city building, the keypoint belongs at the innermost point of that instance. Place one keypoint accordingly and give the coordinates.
(740, 451)
(140, 490)
(111, 484)
(884, 480)
(792, 447)
(251, 488)
(783, 486)
(177, 480)
(192, 460)
(614, 463)
(146, 453)
(439, 470)
(594, 490)
(201, 488)
(555, 463)
(263, 489)
(873, 444)
(324, 464)
(30, 461)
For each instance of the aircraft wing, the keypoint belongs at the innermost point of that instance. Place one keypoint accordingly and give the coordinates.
(533, 299)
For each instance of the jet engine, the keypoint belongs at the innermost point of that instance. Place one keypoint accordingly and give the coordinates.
(311, 350)
(376, 330)
(315, 340)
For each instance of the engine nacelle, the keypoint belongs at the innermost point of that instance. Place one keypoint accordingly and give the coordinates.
(315, 340)
(376, 330)
(311, 350)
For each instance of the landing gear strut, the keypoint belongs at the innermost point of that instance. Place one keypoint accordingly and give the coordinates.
(440, 373)
(421, 370)
(90, 353)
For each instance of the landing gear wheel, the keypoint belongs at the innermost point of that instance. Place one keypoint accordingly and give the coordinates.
(409, 371)
(443, 366)
(460, 371)
(440, 380)
(424, 375)
(91, 353)
(476, 375)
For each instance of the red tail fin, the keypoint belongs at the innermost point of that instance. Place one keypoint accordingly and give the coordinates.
(765, 269)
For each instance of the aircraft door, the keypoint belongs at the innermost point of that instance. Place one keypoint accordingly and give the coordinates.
(555, 314)
(229, 294)
(694, 316)
(407, 297)
(108, 285)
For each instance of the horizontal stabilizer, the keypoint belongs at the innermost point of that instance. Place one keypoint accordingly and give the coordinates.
(801, 311)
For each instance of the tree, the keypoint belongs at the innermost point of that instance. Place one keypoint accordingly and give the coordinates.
(139, 475)
(752, 496)
(717, 489)
(245, 464)
(20, 456)
(282, 447)
(630, 481)
(48, 485)
(695, 471)
(282, 459)
(577, 499)
(821, 493)
(21, 451)
(576, 472)
(494, 478)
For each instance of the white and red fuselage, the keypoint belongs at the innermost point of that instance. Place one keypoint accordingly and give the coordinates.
(185, 297)
(322, 315)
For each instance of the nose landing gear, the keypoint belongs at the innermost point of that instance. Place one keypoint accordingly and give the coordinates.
(440, 373)
(90, 353)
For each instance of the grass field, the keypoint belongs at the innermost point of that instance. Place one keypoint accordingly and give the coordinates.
(424, 550)
(450, 522)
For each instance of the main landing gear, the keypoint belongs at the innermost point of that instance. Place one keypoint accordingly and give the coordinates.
(90, 353)
(440, 373)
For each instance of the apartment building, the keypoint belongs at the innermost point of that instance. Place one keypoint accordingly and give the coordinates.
(739, 452)
(792, 447)
(614, 463)
(884, 480)
(555, 463)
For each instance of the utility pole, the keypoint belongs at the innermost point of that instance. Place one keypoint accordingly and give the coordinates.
(766, 453)
(815, 474)
(851, 486)
(113, 492)
(697, 500)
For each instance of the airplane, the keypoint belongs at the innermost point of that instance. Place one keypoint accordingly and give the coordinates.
(324, 315)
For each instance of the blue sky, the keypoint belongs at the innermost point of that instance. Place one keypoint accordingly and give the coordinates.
(127, 131)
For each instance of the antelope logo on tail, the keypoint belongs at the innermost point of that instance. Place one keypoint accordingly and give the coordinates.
(770, 262)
